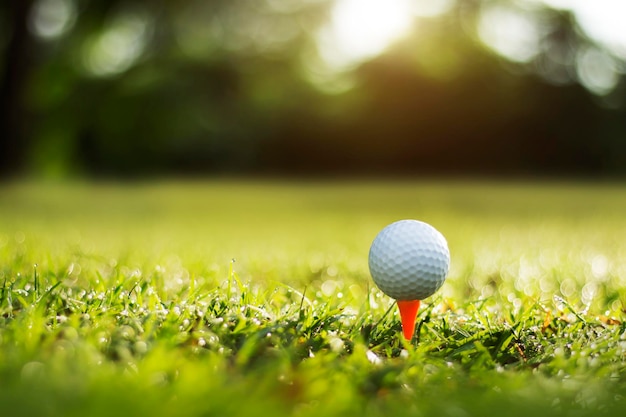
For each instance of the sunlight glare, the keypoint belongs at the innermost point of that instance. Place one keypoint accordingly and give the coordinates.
(361, 29)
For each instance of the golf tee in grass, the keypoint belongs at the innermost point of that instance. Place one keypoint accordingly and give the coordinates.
(408, 314)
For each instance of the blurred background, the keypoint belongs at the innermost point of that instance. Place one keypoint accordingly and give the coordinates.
(142, 88)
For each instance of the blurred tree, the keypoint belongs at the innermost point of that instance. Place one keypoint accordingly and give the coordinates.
(137, 87)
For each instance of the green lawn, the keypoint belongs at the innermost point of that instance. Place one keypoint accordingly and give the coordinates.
(254, 298)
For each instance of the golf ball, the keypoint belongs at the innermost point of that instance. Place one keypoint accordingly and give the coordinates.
(409, 260)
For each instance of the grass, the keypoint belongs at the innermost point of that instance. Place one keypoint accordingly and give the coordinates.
(242, 298)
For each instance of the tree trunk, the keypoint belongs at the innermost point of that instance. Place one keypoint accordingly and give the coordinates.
(13, 140)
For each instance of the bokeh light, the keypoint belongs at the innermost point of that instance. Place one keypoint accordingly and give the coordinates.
(118, 46)
(512, 33)
(361, 29)
(50, 19)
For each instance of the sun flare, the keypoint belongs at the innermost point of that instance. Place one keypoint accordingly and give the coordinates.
(361, 29)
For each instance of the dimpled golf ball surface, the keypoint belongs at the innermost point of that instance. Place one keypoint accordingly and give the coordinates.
(409, 260)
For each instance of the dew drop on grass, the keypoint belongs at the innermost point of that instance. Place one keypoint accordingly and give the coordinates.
(560, 303)
(336, 344)
(372, 357)
(141, 347)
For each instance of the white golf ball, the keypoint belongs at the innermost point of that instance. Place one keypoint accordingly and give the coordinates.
(409, 260)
